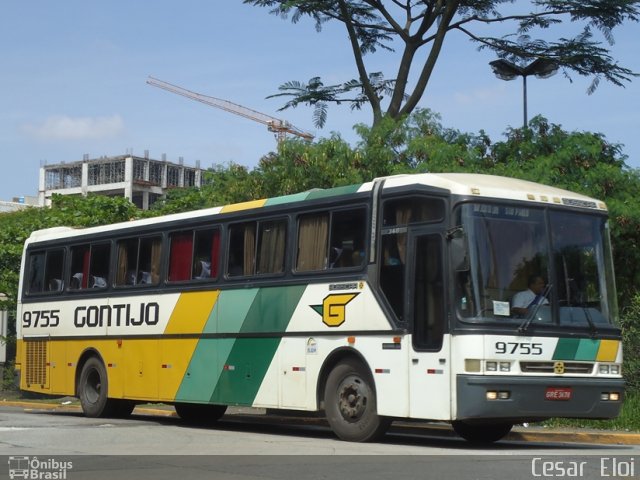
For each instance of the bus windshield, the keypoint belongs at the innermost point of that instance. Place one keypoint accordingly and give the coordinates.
(535, 266)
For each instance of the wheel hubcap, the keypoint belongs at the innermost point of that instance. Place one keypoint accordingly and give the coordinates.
(352, 399)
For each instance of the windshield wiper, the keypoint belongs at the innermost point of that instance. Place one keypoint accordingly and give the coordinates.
(587, 315)
(531, 315)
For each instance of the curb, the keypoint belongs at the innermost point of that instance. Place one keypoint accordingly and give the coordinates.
(521, 434)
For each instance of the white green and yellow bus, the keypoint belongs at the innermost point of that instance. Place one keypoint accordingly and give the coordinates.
(393, 299)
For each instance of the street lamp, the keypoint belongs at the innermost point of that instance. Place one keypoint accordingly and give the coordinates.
(540, 67)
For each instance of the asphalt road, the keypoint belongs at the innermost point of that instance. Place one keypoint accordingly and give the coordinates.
(154, 444)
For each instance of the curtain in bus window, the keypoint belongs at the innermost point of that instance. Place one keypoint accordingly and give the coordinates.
(123, 263)
(249, 249)
(313, 237)
(85, 268)
(180, 256)
(156, 256)
(271, 251)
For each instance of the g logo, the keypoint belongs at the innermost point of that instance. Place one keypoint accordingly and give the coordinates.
(558, 368)
(334, 308)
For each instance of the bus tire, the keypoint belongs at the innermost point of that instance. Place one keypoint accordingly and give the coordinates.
(350, 403)
(199, 413)
(481, 433)
(93, 388)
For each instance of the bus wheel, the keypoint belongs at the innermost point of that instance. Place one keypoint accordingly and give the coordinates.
(481, 433)
(199, 413)
(350, 404)
(92, 389)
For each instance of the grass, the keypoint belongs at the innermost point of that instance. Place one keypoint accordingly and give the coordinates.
(627, 421)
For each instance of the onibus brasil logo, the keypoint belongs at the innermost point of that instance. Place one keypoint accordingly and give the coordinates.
(334, 308)
(34, 468)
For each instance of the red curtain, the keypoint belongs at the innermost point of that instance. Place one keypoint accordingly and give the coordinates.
(180, 257)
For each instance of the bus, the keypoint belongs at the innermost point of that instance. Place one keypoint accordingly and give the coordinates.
(392, 299)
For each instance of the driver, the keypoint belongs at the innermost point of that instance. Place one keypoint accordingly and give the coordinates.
(532, 296)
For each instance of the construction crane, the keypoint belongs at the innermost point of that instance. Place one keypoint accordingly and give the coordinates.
(279, 127)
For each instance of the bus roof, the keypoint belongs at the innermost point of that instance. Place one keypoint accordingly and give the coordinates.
(464, 184)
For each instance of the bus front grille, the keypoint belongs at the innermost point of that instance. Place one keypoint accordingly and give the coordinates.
(36, 362)
(550, 367)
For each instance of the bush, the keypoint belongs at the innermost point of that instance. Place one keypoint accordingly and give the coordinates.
(630, 324)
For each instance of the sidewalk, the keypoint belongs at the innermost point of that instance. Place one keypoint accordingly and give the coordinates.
(256, 415)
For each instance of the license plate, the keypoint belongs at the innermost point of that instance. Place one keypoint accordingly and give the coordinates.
(558, 393)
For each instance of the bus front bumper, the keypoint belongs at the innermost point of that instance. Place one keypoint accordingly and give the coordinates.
(522, 399)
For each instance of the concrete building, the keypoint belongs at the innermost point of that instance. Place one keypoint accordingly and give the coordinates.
(18, 204)
(140, 179)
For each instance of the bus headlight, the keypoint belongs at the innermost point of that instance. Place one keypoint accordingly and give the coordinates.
(492, 366)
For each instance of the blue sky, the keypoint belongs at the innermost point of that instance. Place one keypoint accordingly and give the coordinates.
(74, 76)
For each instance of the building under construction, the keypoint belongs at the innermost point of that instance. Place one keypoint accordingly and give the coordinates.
(140, 179)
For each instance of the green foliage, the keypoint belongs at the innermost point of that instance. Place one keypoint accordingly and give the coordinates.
(89, 211)
(15, 228)
(413, 33)
(630, 324)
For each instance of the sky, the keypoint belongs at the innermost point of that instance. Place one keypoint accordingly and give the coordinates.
(73, 82)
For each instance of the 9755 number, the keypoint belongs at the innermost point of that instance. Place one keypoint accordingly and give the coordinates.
(41, 318)
(521, 348)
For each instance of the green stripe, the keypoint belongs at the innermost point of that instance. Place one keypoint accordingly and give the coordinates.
(583, 349)
(296, 197)
(209, 356)
(333, 192)
(230, 370)
(250, 358)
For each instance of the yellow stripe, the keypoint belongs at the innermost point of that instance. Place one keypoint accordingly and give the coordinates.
(608, 350)
(191, 312)
(243, 206)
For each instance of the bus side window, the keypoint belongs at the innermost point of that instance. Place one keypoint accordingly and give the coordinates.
(329, 240)
(347, 238)
(206, 255)
(45, 271)
(139, 261)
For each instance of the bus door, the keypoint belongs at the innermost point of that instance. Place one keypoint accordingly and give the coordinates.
(426, 312)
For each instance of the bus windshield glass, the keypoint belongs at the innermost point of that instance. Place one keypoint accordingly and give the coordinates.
(535, 266)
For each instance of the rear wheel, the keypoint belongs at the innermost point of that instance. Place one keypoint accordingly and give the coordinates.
(199, 413)
(482, 433)
(351, 405)
(93, 387)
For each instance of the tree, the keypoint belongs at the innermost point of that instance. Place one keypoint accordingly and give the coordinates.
(414, 26)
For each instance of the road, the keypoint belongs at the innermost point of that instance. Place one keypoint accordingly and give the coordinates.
(244, 447)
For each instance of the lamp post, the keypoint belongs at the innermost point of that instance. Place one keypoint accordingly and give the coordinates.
(540, 67)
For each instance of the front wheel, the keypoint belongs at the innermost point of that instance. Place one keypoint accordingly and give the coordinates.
(482, 433)
(351, 405)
